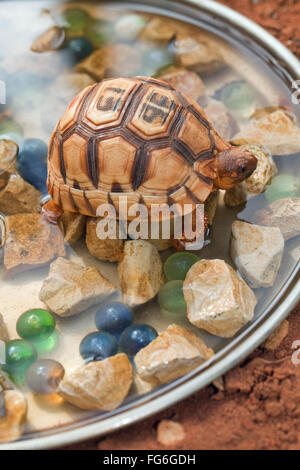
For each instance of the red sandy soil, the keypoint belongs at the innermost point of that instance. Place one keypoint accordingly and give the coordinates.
(260, 407)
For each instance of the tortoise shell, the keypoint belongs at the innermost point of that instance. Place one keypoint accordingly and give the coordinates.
(134, 136)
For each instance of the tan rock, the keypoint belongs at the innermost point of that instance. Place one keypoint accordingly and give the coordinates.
(186, 82)
(30, 242)
(71, 288)
(111, 60)
(105, 250)
(170, 433)
(196, 53)
(161, 244)
(258, 181)
(19, 197)
(73, 226)
(257, 252)
(12, 423)
(159, 31)
(50, 40)
(222, 120)
(284, 214)
(8, 154)
(3, 329)
(173, 353)
(140, 272)
(276, 130)
(100, 385)
(217, 299)
(277, 336)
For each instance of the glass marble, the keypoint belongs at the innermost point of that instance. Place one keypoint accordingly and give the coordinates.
(170, 297)
(44, 376)
(239, 97)
(178, 264)
(283, 186)
(157, 59)
(136, 337)
(11, 130)
(98, 32)
(79, 48)
(74, 20)
(47, 345)
(97, 346)
(114, 317)
(32, 163)
(36, 324)
(19, 355)
(129, 26)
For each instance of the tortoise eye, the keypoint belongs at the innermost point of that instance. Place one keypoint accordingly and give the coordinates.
(243, 169)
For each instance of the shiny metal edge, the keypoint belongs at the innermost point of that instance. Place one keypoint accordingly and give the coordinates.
(242, 349)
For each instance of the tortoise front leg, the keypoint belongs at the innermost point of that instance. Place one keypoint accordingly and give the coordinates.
(180, 244)
(51, 212)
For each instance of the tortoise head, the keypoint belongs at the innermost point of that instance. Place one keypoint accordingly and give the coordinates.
(234, 166)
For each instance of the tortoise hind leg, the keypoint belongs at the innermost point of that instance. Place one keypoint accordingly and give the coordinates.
(51, 212)
(183, 243)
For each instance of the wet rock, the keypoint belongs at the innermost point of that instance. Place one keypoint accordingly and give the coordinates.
(140, 272)
(275, 129)
(30, 242)
(257, 182)
(284, 214)
(222, 120)
(257, 252)
(186, 82)
(277, 336)
(170, 433)
(73, 226)
(8, 154)
(195, 53)
(50, 40)
(71, 288)
(100, 385)
(15, 411)
(19, 197)
(159, 31)
(217, 299)
(173, 353)
(3, 330)
(105, 250)
(111, 61)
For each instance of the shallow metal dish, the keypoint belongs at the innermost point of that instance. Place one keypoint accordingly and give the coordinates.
(239, 347)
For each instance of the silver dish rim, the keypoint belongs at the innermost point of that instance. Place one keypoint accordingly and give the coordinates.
(230, 355)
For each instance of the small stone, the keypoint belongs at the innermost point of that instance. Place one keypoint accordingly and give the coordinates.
(140, 272)
(8, 153)
(170, 433)
(50, 40)
(71, 288)
(222, 120)
(277, 336)
(219, 383)
(19, 197)
(275, 129)
(195, 53)
(73, 226)
(100, 385)
(257, 252)
(105, 250)
(3, 330)
(161, 244)
(30, 242)
(217, 299)
(284, 214)
(159, 30)
(69, 85)
(111, 61)
(12, 423)
(173, 353)
(186, 82)
(258, 181)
